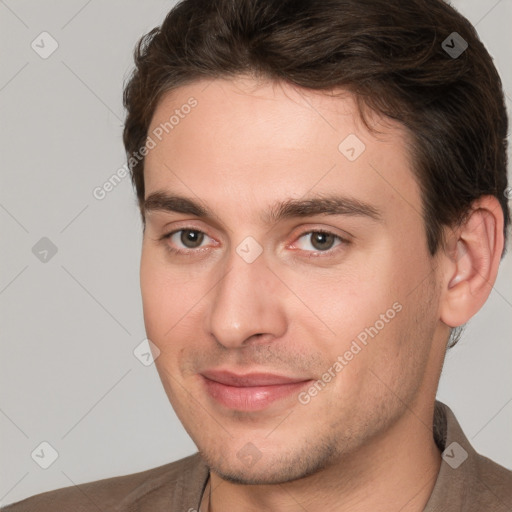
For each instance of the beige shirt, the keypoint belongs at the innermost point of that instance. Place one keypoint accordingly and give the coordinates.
(466, 482)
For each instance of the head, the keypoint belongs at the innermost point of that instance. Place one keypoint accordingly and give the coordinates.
(339, 180)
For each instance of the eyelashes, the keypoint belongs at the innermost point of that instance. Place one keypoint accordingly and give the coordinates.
(197, 237)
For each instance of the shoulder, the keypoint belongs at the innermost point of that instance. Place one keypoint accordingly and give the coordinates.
(467, 480)
(165, 487)
(494, 483)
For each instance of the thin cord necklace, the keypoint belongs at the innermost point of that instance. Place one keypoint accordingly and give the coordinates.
(207, 493)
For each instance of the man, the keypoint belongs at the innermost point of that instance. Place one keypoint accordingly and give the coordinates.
(322, 185)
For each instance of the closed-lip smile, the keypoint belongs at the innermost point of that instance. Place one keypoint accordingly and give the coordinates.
(250, 391)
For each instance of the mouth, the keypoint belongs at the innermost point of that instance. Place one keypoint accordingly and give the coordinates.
(250, 392)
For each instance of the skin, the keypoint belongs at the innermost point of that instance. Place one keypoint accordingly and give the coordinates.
(366, 438)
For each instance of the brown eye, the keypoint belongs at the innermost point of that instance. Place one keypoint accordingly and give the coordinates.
(319, 242)
(322, 241)
(191, 239)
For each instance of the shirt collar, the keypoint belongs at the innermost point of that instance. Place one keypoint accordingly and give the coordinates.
(462, 482)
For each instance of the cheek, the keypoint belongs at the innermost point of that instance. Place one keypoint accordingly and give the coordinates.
(382, 318)
(399, 355)
(161, 293)
(172, 302)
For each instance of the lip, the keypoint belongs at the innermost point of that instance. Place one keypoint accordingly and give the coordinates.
(252, 391)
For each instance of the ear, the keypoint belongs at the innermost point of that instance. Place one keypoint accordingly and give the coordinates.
(470, 261)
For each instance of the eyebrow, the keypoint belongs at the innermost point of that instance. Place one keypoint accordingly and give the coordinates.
(291, 208)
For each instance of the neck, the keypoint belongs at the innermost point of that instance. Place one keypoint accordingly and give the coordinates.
(398, 468)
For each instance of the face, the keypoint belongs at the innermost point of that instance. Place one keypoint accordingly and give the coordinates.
(285, 276)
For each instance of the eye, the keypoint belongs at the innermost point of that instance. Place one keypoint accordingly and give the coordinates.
(189, 238)
(321, 241)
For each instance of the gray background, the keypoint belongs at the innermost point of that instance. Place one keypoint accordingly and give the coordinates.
(68, 374)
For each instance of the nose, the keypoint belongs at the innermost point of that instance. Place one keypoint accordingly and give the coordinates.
(245, 304)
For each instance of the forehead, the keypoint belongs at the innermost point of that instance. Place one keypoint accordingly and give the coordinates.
(249, 143)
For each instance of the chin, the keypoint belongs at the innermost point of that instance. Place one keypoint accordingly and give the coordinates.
(265, 470)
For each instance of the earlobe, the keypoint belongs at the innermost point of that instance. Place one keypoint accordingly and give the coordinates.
(471, 265)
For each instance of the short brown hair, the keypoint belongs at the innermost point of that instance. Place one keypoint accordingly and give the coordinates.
(389, 53)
